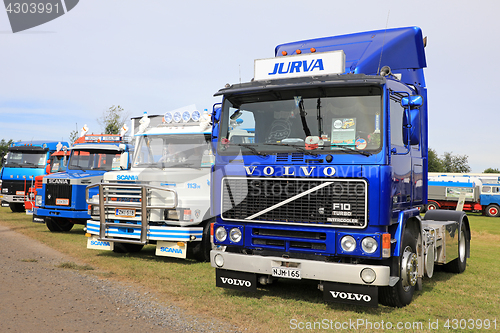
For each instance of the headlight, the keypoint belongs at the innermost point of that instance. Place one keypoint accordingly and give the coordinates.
(173, 214)
(38, 200)
(94, 199)
(5, 190)
(348, 243)
(369, 245)
(221, 234)
(96, 210)
(235, 235)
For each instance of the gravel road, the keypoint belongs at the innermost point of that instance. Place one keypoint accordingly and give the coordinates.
(38, 296)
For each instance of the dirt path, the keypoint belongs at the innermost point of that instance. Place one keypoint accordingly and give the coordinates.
(38, 296)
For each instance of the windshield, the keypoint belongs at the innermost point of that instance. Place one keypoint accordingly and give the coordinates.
(90, 159)
(25, 159)
(174, 151)
(322, 120)
(58, 164)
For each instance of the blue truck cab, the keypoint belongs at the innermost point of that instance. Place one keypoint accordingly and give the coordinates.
(330, 186)
(61, 201)
(24, 161)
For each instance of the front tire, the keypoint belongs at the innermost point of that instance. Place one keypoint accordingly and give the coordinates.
(402, 292)
(16, 207)
(492, 211)
(55, 224)
(432, 206)
(201, 251)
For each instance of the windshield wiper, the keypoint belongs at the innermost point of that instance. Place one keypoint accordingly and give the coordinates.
(249, 147)
(297, 147)
(351, 150)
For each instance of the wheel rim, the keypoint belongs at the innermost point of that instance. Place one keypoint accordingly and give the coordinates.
(409, 268)
(493, 211)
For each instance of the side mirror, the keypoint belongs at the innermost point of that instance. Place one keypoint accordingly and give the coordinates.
(216, 114)
(124, 161)
(412, 102)
(411, 127)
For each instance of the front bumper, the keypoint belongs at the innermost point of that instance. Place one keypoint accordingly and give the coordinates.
(70, 214)
(310, 269)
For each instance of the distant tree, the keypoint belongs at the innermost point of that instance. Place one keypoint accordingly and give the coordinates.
(491, 170)
(4, 145)
(455, 163)
(434, 162)
(112, 120)
(73, 136)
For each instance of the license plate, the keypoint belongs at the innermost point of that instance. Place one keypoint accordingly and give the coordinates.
(62, 202)
(286, 272)
(125, 212)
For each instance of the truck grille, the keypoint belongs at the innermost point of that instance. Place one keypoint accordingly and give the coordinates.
(14, 186)
(57, 191)
(316, 202)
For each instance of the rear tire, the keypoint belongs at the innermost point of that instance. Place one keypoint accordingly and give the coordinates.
(459, 264)
(55, 224)
(127, 248)
(492, 211)
(401, 293)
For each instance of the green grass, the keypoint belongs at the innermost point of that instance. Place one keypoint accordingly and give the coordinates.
(289, 305)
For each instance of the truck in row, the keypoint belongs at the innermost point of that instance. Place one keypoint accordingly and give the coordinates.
(330, 187)
(480, 193)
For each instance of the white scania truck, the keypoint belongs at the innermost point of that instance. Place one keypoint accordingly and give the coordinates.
(164, 199)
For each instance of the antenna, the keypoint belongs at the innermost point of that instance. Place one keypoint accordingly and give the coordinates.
(239, 68)
(383, 42)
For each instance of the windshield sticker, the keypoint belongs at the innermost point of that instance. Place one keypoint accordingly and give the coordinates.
(343, 131)
(361, 143)
(279, 130)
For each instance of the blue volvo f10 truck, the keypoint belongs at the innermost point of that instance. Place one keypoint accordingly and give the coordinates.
(330, 187)
(61, 201)
(24, 161)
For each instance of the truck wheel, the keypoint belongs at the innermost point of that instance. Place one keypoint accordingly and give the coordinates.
(492, 211)
(432, 205)
(127, 248)
(16, 207)
(58, 225)
(201, 251)
(401, 293)
(458, 265)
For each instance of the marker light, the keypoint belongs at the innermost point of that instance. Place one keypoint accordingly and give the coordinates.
(221, 234)
(369, 245)
(167, 117)
(348, 243)
(186, 116)
(313, 50)
(386, 245)
(177, 117)
(284, 53)
(195, 115)
(298, 51)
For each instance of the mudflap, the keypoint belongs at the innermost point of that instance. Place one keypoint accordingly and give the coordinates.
(171, 249)
(93, 242)
(37, 219)
(236, 280)
(350, 294)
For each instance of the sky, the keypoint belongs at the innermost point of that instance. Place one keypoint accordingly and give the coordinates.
(160, 55)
